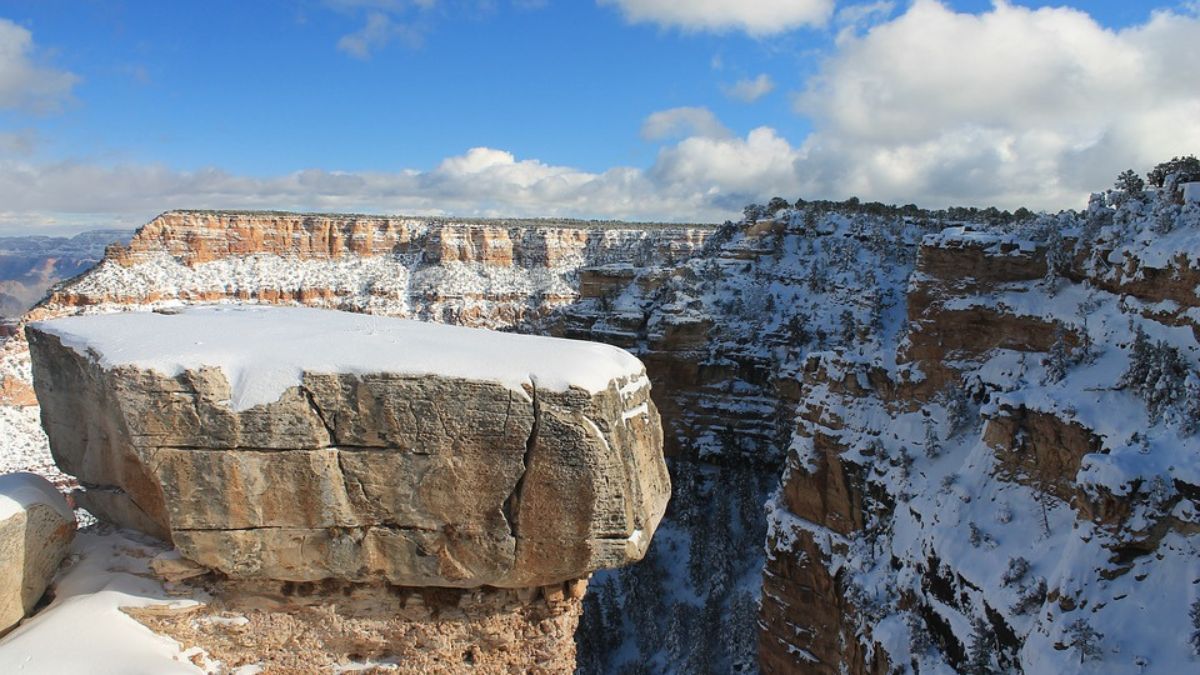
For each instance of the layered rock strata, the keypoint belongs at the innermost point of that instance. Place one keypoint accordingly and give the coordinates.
(302, 445)
(1016, 487)
(488, 273)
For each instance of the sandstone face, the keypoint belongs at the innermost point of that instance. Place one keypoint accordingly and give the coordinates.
(301, 445)
(487, 273)
(36, 529)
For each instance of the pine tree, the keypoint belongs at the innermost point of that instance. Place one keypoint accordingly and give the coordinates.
(1194, 614)
(920, 642)
(816, 277)
(933, 445)
(958, 410)
(1191, 408)
(1182, 169)
(1086, 351)
(797, 329)
(1130, 183)
(753, 212)
(1085, 640)
(1157, 373)
(677, 640)
(684, 488)
(776, 205)
(741, 631)
(614, 617)
(981, 651)
(875, 319)
(721, 552)
(849, 329)
(1058, 360)
(1058, 257)
(751, 530)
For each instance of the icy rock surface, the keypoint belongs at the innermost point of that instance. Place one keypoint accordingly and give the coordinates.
(301, 444)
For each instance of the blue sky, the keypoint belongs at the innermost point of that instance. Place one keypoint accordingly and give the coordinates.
(643, 109)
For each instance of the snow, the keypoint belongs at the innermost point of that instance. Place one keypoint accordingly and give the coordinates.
(19, 491)
(1191, 192)
(84, 630)
(264, 350)
(643, 409)
(23, 444)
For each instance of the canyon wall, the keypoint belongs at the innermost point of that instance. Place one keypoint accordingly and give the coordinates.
(975, 476)
(477, 273)
(1012, 488)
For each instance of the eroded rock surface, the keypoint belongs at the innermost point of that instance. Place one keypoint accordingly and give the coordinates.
(300, 445)
(36, 529)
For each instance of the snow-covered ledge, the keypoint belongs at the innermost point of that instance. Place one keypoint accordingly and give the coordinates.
(302, 444)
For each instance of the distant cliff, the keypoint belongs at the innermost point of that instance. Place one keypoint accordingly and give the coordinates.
(481, 273)
(29, 266)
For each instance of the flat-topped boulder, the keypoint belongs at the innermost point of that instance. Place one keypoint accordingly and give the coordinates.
(300, 444)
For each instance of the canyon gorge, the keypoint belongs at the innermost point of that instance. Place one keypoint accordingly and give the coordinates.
(974, 433)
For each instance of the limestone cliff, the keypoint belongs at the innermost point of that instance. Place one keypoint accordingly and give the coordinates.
(480, 273)
(1013, 489)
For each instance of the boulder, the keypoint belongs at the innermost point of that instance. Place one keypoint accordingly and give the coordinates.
(36, 529)
(300, 444)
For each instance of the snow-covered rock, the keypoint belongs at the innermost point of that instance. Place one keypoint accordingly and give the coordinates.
(1191, 192)
(36, 528)
(301, 444)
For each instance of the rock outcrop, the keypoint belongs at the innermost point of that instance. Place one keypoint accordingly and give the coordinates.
(487, 273)
(36, 529)
(289, 628)
(302, 445)
(1016, 473)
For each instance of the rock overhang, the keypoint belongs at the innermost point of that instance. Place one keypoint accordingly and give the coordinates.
(262, 457)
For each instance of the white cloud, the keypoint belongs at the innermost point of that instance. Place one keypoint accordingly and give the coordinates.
(683, 122)
(24, 84)
(729, 171)
(383, 22)
(1010, 107)
(756, 17)
(750, 90)
(699, 179)
(854, 18)
(376, 33)
(1013, 106)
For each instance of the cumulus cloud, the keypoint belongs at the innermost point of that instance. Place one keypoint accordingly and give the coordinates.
(24, 83)
(1012, 106)
(758, 18)
(729, 171)
(700, 179)
(683, 122)
(750, 90)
